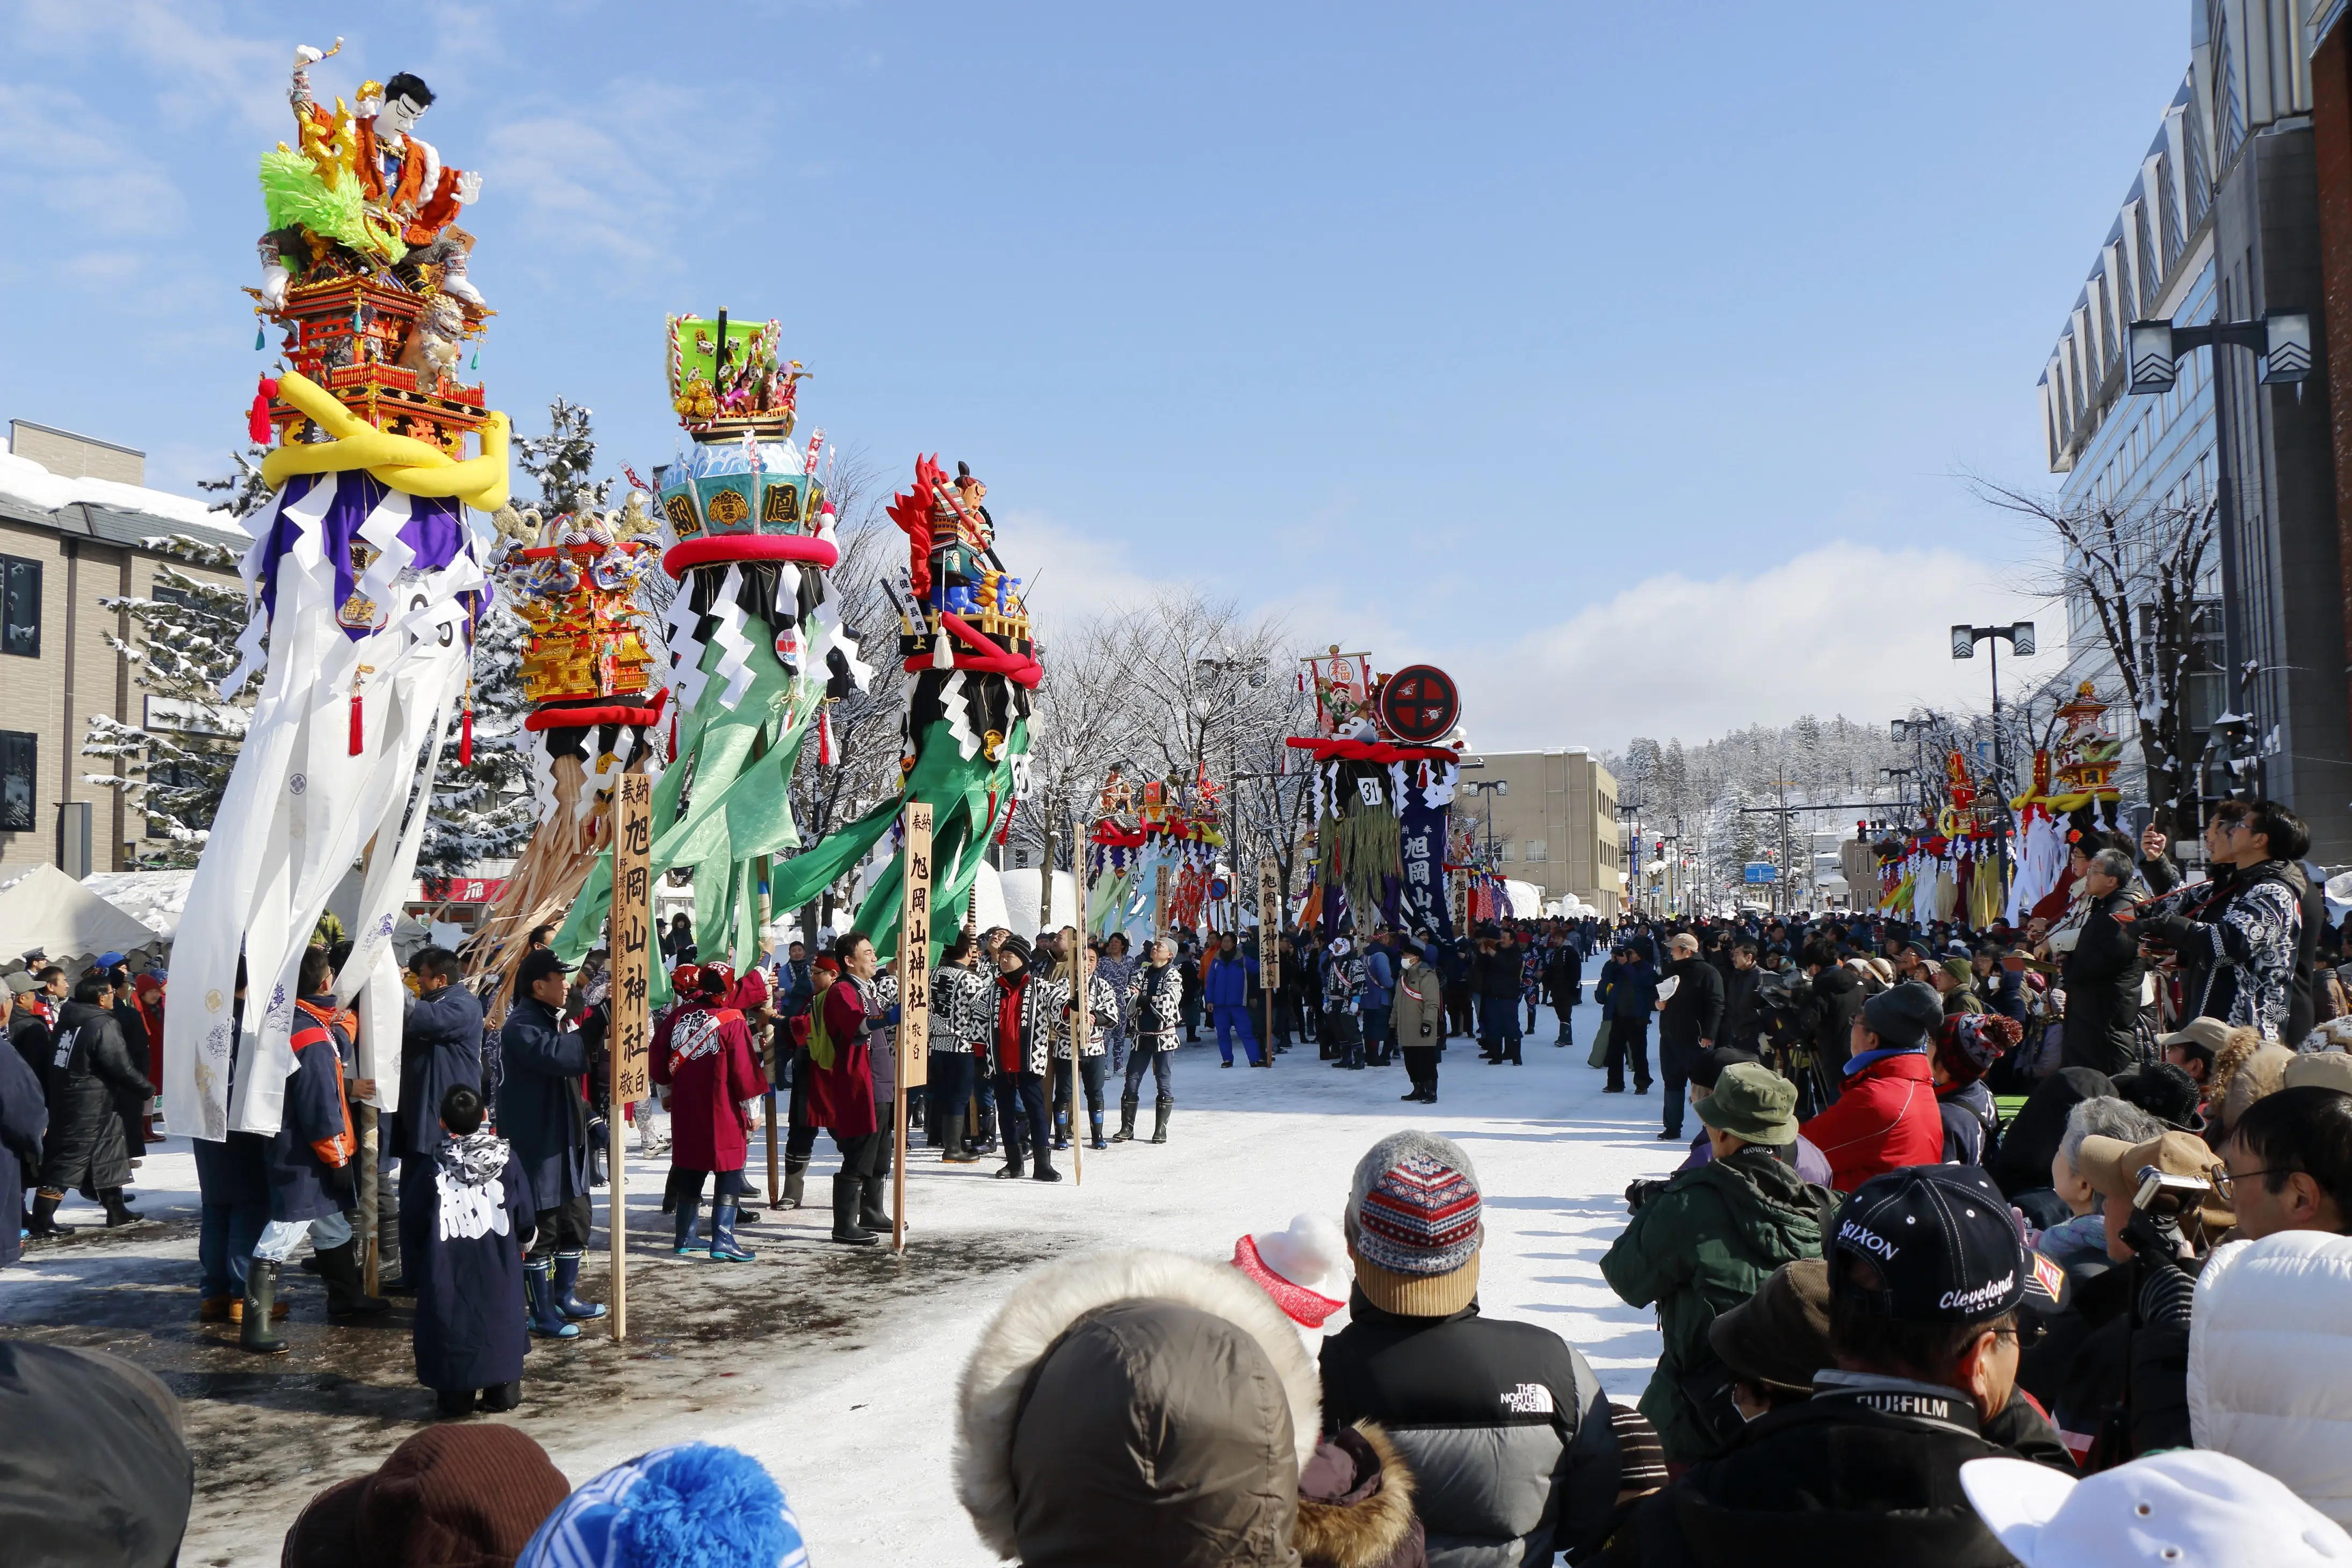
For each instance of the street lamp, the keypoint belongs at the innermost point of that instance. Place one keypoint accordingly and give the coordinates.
(1490, 788)
(2021, 641)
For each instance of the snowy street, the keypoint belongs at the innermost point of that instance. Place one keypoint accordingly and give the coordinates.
(836, 1365)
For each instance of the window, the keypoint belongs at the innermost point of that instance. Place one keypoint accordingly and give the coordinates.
(1538, 849)
(20, 608)
(18, 761)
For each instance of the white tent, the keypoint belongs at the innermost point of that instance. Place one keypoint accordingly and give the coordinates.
(48, 910)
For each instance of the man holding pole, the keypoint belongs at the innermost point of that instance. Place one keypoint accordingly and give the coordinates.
(542, 1115)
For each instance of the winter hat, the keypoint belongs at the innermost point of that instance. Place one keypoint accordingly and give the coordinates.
(1016, 946)
(1779, 1337)
(93, 1464)
(1340, 946)
(2185, 1508)
(2162, 1090)
(2200, 1037)
(1640, 1457)
(1414, 1225)
(1958, 969)
(450, 1497)
(694, 1506)
(1288, 1265)
(825, 963)
(1967, 1044)
(1903, 1016)
(1752, 1102)
(2326, 1069)
(1941, 1239)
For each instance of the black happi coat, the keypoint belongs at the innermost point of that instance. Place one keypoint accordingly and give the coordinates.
(470, 1331)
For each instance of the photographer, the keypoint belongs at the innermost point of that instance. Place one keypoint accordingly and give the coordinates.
(2247, 951)
(2102, 973)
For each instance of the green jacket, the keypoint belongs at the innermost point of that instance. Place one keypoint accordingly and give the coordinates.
(1703, 1244)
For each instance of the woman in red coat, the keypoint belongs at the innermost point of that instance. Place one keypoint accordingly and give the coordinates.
(846, 1018)
(710, 1069)
(1886, 1116)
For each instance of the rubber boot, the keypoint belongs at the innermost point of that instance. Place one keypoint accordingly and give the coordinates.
(951, 1129)
(45, 1216)
(845, 1229)
(117, 1213)
(795, 1180)
(346, 1297)
(260, 1291)
(1045, 1170)
(567, 1292)
(539, 1290)
(688, 1213)
(1159, 1109)
(872, 1213)
(1094, 1120)
(1126, 1120)
(454, 1401)
(723, 1248)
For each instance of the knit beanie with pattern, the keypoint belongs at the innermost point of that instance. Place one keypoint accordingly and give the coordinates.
(1414, 1225)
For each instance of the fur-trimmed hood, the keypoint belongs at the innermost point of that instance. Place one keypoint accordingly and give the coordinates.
(1355, 1505)
(1004, 1369)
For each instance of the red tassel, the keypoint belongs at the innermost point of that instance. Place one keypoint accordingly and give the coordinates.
(466, 738)
(673, 735)
(360, 673)
(825, 738)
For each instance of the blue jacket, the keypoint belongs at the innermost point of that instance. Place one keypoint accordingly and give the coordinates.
(468, 1334)
(540, 1111)
(1229, 982)
(1380, 980)
(440, 1048)
(1630, 990)
(310, 1155)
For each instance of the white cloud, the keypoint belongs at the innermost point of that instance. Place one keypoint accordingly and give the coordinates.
(1851, 629)
(1074, 573)
(83, 167)
(202, 69)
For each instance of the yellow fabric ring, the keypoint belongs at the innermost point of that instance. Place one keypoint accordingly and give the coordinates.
(412, 466)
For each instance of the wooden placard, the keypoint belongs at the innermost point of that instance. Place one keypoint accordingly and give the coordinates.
(914, 1003)
(1270, 912)
(631, 1034)
(1160, 903)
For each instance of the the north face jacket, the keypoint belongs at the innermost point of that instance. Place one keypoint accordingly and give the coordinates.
(1699, 1247)
(1505, 1427)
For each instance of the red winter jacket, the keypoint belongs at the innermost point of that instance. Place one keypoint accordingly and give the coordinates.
(1886, 1118)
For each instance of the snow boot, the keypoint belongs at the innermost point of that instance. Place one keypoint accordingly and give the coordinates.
(1126, 1120)
(254, 1332)
(795, 1180)
(45, 1216)
(1013, 1169)
(951, 1134)
(1044, 1171)
(546, 1321)
(845, 1229)
(454, 1401)
(1094, 1120)
(723, 1247)
(1159, 1109)
(688, 1213)
(871, 1214)
(346, 1296)
(567, 1294)
(117, 1213)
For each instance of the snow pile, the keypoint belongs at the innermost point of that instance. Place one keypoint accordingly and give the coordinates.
(156, 899)
(22, 479)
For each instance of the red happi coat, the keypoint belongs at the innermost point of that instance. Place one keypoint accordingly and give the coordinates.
(710, 1068)
(841, 1097)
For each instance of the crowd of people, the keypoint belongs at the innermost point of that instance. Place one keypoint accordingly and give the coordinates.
(2026, 1243)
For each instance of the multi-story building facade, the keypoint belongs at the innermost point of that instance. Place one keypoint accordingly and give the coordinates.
(1556, 826)
(59, 558)
(2222, 224)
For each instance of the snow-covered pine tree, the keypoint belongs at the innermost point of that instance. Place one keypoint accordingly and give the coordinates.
(182, 645)
(562, 460)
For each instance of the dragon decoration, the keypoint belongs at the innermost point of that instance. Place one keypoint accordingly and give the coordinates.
(964, 634)
(365, 588)
(756, 643)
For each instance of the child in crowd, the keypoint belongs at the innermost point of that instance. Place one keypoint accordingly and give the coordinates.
(470, 1330)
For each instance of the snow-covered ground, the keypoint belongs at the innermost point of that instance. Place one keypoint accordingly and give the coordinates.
(837, 1367)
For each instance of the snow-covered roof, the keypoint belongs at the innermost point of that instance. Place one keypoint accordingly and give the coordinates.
(156, 899)
(26, 481)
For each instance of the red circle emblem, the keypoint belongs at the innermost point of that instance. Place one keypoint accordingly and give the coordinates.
(1419, 705)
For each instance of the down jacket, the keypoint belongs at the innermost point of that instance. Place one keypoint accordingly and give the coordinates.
(1143, 1408)
(1504, 1424)
(90, 1072)
(1885, 1118)
(2270, 1381)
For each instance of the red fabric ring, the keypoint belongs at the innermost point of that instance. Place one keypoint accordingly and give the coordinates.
(804, 547)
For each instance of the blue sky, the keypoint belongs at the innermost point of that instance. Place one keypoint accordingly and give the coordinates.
(1625, 358)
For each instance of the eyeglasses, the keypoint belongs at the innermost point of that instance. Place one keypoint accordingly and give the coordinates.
(2222, 1181)
(2027, 1332)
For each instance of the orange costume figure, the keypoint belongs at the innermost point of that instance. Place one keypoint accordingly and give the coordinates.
(402, 177)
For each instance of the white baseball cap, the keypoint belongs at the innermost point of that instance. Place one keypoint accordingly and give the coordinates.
(2189, 1507)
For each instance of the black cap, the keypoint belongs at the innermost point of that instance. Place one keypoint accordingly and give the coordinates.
(1942, 1239)
(537, 964)
(1904, 1014)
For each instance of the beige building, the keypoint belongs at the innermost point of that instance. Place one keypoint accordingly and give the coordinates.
(1556, 826)
(74, 522)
